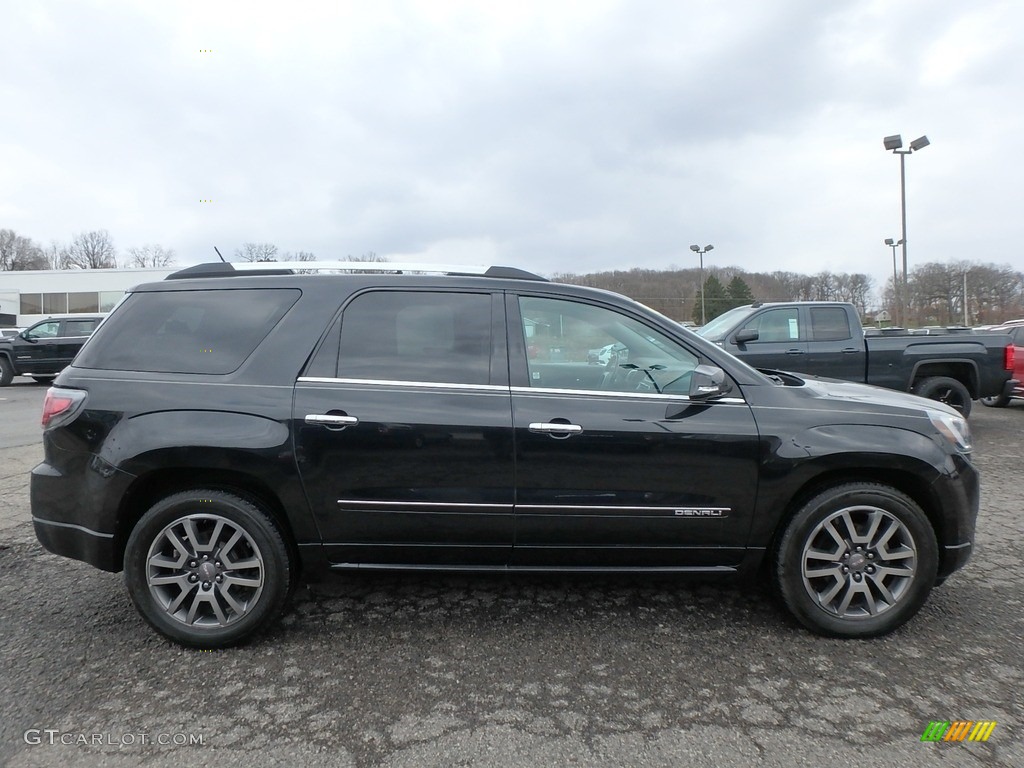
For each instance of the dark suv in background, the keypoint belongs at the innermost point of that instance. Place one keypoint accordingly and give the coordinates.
(43, 349)
(223, 435)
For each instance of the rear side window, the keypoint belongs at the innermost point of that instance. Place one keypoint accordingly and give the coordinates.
(186, 331)
(79, 327)
(830, 324)
(417, 336)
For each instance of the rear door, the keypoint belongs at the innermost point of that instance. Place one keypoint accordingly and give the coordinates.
(74, 333)
(404, 437)
(835, 348)
(616, 467)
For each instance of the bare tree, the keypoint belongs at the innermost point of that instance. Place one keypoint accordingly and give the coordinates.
(256, 252)
(92, 250)
(368, 256)
(298, 256)
(56, 255)
(151, 256)
(19, 253)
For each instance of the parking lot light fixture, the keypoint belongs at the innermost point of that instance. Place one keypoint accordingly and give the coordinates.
(895, 281)
(700, 252)
(894, 144)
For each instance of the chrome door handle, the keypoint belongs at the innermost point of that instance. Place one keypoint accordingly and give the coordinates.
(330, 420)
(552, 428)
(794, 351)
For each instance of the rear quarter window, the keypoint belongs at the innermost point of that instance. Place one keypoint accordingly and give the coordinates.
(210, 331)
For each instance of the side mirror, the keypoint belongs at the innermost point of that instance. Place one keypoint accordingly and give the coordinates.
(745, 335)
(707, 382)
(27, 336)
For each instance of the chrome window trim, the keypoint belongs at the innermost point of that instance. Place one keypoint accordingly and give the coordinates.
(517, 390)
(396, 383)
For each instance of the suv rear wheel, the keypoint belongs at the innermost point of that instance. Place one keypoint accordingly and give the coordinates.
(207, 569)
(857, 560)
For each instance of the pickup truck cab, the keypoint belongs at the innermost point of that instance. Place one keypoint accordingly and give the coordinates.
(826, 339)
(43, 350)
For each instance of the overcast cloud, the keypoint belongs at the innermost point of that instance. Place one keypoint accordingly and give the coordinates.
(553, 136)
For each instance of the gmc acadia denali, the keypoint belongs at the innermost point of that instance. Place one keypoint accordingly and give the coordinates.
(223, 435)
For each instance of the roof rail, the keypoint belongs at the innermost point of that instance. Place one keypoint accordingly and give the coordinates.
(221, 269)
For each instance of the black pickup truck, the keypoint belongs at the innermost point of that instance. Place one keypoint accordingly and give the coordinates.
(826, 339)
(46, 348)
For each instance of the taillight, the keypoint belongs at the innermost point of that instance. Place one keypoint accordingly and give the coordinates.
(1008, 357)
(61, 405)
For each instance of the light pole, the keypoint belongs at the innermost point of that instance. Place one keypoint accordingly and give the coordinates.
(700, 252)
(895, 282)
(895, 144)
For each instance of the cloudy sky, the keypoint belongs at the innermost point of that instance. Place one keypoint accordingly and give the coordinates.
(554, 136)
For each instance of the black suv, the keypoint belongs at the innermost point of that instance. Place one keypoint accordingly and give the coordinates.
(42, 350)
(222, 435)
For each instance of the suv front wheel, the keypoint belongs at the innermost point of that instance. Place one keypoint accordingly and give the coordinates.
(857, 560)
(207, 569)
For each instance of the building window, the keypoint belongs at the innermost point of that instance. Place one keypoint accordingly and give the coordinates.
(31, 304)
(108, 299)
(55, 303)
(87, 301)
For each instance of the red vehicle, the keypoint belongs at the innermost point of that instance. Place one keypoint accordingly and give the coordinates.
(1016, 332)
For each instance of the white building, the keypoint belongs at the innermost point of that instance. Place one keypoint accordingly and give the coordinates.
(32, 295)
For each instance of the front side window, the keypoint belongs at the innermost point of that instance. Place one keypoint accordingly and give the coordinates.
(45, 330)
(571, 345)
(776, 325)
(417, 336)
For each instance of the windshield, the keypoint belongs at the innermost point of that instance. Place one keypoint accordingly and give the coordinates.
(717, 328)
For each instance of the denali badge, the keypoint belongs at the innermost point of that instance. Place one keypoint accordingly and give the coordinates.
(704, 512)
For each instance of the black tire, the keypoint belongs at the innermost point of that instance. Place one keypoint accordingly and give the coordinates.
(866, 599)
(6, 371)
(996, 401)
(229, 578)
(945, 390)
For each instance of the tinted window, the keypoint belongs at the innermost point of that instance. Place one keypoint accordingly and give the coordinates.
(570, 345)
(417, 336)
(186, 331)
(829, 324)
(79, 327)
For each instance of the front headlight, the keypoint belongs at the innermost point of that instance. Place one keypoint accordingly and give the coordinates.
(954, 429)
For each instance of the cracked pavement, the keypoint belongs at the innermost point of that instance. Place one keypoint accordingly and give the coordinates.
(428, 670)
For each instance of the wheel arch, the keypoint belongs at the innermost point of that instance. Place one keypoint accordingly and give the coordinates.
(917, 488)
(148, 489)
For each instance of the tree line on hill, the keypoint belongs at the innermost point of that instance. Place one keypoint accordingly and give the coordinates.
(935, 291)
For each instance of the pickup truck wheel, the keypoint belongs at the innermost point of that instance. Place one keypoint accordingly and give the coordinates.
(207, 569)
(996, 401)
(857, 560)
(6, 372)
(945, 390)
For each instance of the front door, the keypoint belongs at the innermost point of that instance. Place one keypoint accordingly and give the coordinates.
(404, 439)
(781, 342)
(36, 352)
(616, 467)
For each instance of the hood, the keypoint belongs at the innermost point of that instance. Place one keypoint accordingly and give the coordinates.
(851, 392)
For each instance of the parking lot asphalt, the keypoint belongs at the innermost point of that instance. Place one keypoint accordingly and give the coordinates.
(424, 670)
